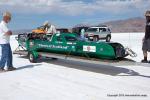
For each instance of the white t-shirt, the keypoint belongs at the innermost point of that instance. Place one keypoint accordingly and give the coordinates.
(52, 29)
(4, 39)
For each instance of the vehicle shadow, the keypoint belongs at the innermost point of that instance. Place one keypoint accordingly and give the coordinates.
(96, 68)
(27, 66)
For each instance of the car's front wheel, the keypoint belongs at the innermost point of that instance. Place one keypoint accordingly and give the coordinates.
(108, 38)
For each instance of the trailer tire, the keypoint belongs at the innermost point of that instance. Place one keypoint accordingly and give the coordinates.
(32, 58)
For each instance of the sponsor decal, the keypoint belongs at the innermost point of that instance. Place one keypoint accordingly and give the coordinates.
(70, 43)
(53, 46)
(89, 48)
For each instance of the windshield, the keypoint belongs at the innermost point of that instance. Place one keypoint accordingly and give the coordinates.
(92, 30)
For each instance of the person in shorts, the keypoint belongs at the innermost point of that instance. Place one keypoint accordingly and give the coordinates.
(146, 39)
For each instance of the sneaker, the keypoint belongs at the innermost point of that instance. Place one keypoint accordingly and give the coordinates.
(2, 70)
(144, 61)
(11, 68)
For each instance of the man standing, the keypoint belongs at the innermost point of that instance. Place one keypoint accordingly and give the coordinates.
(6, 53)
(82, 34)
(49, 28)
(146, 40)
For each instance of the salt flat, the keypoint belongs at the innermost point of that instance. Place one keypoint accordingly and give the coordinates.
(68, 80)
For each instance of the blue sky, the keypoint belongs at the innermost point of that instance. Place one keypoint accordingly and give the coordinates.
(29, 14)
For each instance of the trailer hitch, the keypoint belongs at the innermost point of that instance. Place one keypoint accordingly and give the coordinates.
(130, 52)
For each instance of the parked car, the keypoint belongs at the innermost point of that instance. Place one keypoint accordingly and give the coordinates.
(97, 33)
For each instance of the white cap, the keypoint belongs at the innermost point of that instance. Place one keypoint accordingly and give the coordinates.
(8, 14)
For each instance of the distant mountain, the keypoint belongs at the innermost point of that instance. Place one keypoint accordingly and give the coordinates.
(136, 24)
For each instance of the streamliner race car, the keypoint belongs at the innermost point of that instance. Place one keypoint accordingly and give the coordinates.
(69, 46)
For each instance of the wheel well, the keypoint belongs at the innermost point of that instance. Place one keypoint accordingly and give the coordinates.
(109, 35)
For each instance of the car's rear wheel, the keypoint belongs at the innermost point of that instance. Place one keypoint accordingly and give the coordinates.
(95, 38)
(108, 38)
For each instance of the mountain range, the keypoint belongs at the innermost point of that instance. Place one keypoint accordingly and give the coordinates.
(136, 24)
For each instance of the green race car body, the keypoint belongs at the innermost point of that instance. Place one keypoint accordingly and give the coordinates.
(70, 44)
